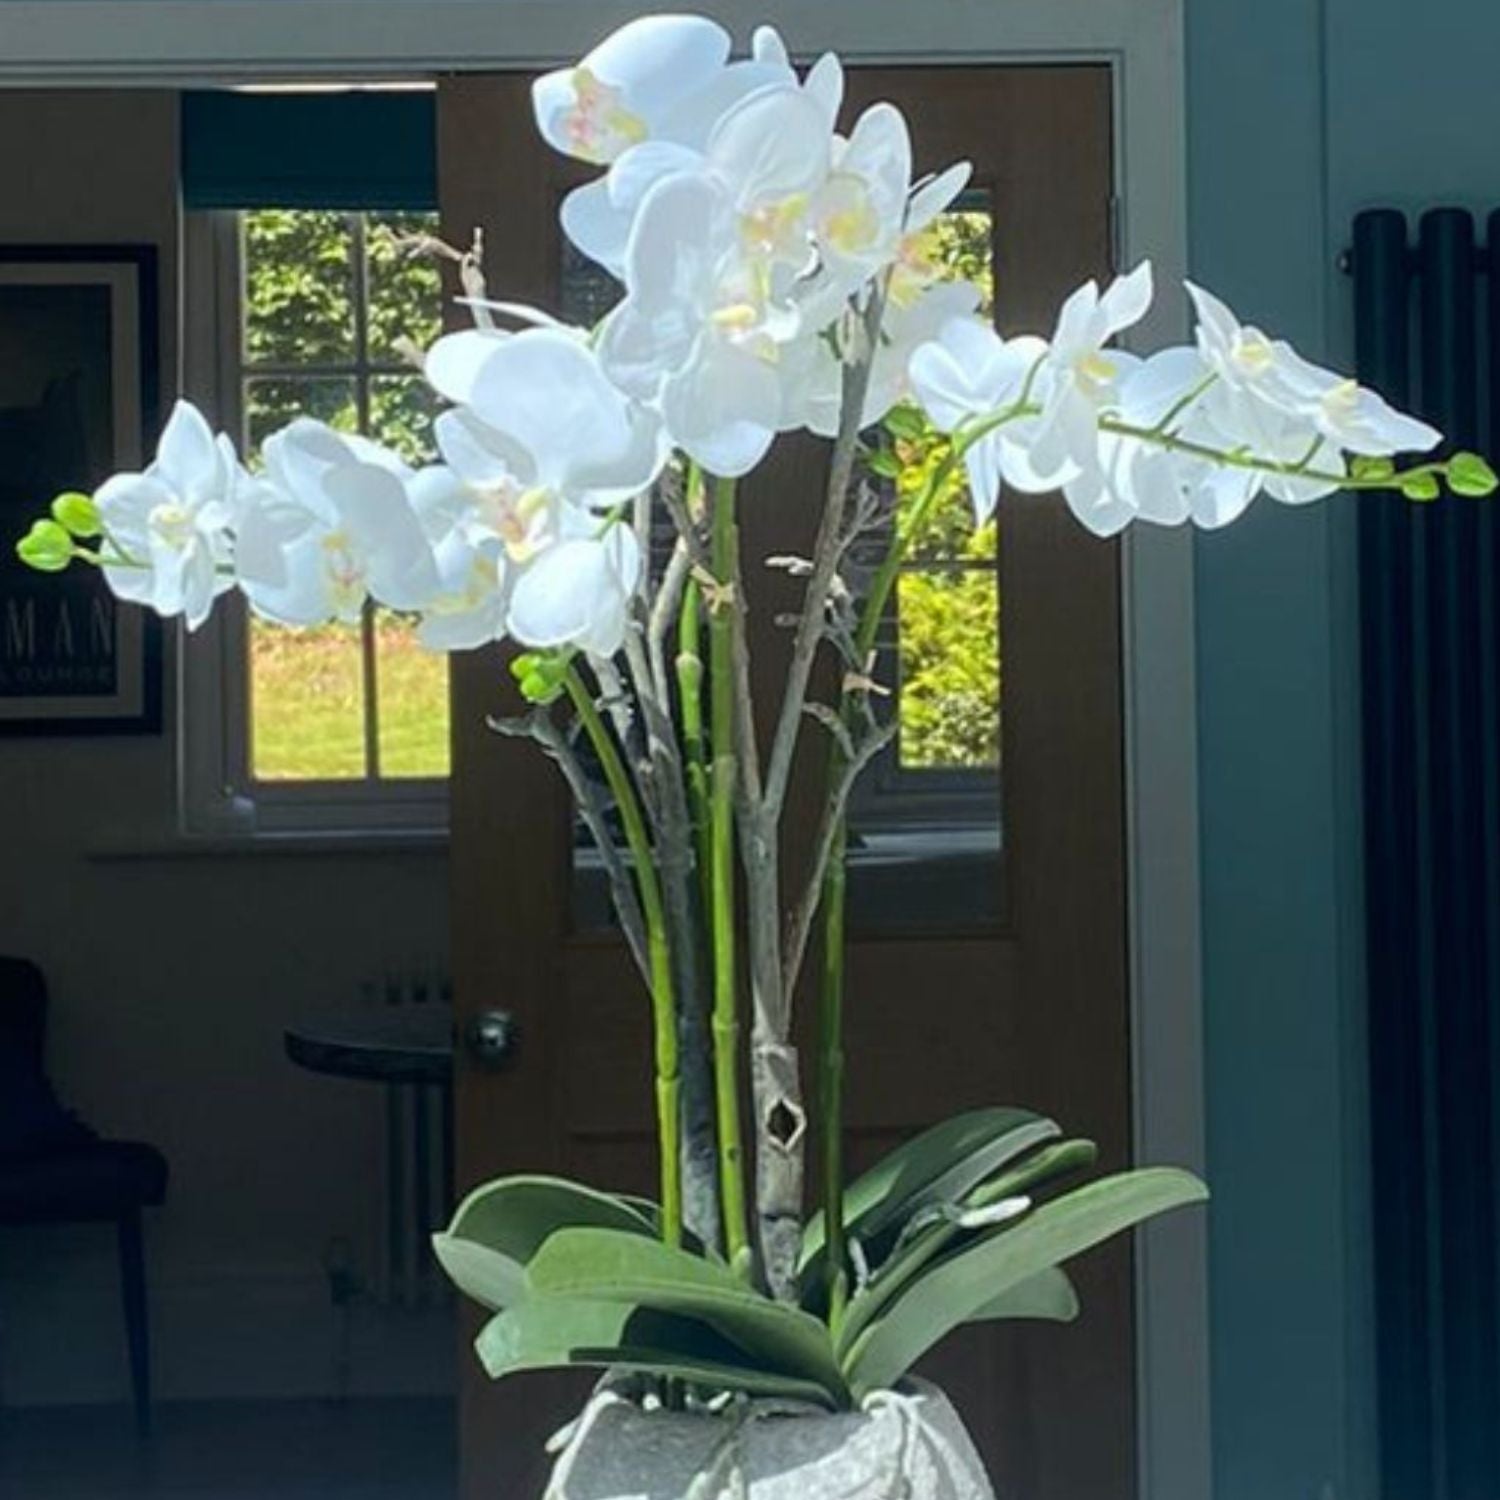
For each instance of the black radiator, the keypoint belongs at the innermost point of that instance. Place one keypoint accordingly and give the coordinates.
(1427, 319)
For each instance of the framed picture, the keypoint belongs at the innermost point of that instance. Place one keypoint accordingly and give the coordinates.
(78, 401)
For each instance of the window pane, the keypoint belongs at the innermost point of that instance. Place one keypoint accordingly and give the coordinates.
(307, 703)
(949, 623)
(412, 691)
(405, 290)
(271, 402)
(299, 287)
(402, 408)
(948, 533)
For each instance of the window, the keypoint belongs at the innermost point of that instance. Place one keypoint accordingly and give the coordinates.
(939, 648)
(339, 725)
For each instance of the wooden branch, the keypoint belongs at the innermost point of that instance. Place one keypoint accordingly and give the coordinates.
(540, 727)
(826, 553)
(851, 765)
(663, 617)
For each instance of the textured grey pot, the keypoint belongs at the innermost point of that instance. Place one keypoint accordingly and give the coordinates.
(910, 1446)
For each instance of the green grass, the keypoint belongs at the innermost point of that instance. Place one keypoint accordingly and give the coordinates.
(308, 703)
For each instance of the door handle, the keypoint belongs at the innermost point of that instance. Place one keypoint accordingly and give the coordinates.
(491, 1037)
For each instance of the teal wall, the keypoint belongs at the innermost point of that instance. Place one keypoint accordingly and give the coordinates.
(1300, 113)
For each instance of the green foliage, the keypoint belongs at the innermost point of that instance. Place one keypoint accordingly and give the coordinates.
(609, 1266)
(938, 1166)
(950, 669)
(954, 1236)
(557, 1332)
(960, 1286)
(47, 547)
(303, 272)
(948, 600)
(501, 1225)
(928, 1236)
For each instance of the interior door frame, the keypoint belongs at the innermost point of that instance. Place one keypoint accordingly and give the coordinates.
(181, 42)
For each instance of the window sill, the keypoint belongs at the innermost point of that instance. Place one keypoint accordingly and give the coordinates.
(327, 844)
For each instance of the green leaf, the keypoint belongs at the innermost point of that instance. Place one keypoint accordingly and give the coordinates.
(47, 547)
(558, 1332)
(910, 1259)
(1469, 475)
(955, 1290)
(884, 462)
(905, 421)
(938, 1166)
(606, 1265)
(500, 1226)
(1046, 1297)
(77, 514)
(1420, 486)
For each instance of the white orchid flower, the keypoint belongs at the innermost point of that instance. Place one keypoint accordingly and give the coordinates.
(568, 584)
(811, 370)
(597, 217)
(858, 218)
(625, 86)
(540, 403)
(578, 592)
(914, 268)
(1086, 376)
(1137, 479)
(173, 521)
(968, 373)
(697, 333)
(1255, 372)
(468, 608)
(710, 256)
(336, 508)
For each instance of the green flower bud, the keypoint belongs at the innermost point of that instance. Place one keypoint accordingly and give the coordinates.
(78, 514)
(1470, 475)
(539, 675)
(1371, 470)
(1421, 486)
(47, 547)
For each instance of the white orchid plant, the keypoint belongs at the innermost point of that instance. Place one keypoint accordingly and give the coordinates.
(775, 279)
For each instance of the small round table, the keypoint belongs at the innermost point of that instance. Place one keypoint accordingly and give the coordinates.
(409, 1049)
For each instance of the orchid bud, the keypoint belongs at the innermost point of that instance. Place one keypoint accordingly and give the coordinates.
(47, 547)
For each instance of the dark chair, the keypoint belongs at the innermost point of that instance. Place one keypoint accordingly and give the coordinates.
(54, 1169)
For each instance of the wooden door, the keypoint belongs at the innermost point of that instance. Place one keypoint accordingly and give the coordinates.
(1026, 1005)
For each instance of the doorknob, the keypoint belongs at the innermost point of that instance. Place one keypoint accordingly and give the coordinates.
(491, 1037)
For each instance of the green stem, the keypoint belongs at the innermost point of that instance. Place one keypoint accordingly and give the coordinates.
(831, 1077)
(726, 1021)
(1285, 468)
(695, 751)
(663, 1000)
(833, 898)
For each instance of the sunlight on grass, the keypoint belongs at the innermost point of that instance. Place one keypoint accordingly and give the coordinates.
(308, 698)
(413, 686)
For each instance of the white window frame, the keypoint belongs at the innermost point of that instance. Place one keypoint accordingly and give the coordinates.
(220, 794)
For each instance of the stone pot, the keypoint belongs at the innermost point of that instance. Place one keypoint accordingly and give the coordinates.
(906, 1445)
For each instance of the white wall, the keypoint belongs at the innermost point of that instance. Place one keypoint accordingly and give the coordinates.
(173, 977)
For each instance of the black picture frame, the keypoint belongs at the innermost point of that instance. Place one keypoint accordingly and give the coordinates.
(79, 399)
